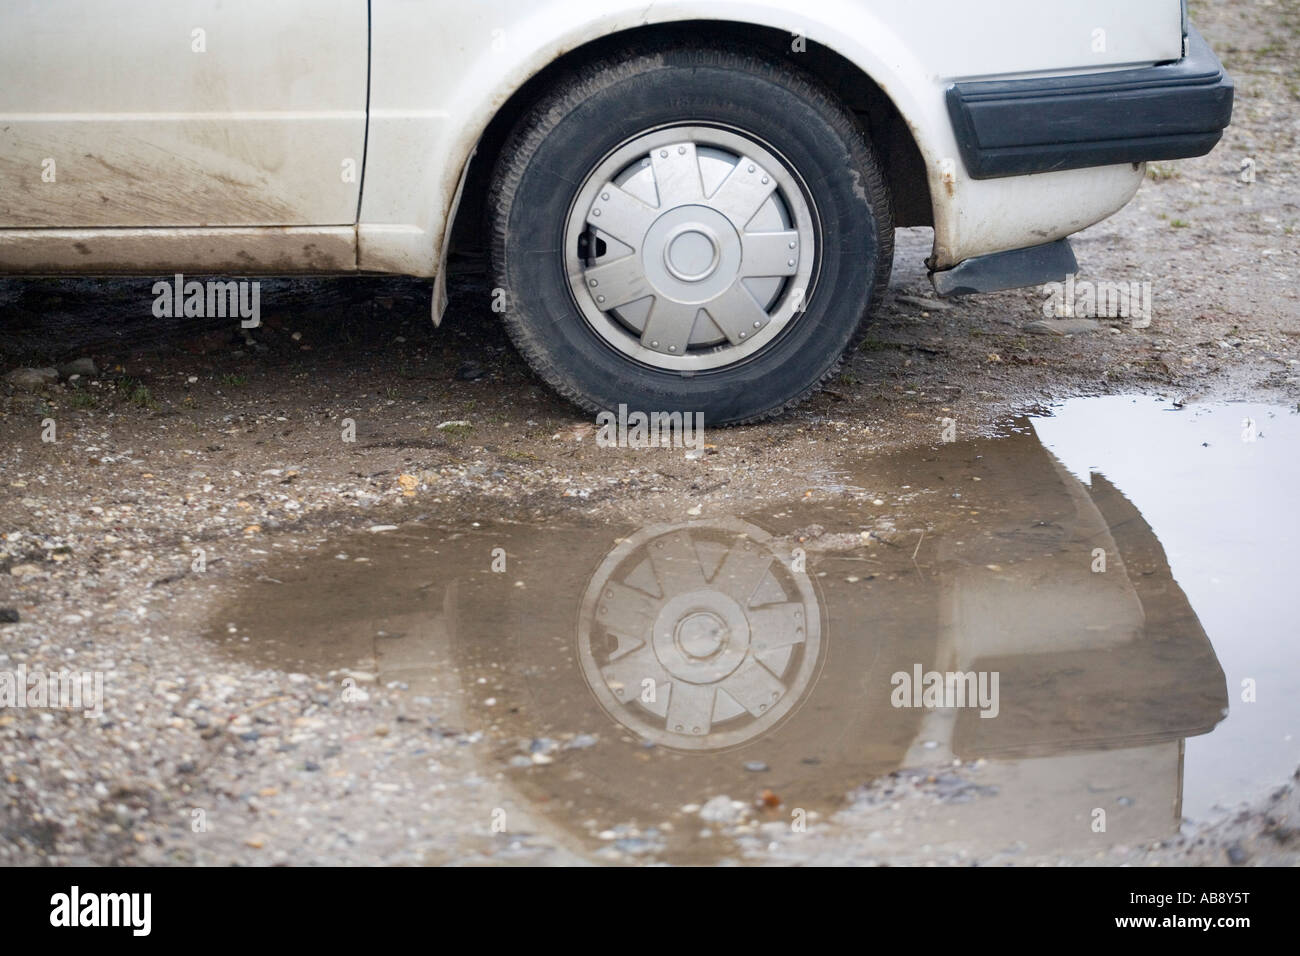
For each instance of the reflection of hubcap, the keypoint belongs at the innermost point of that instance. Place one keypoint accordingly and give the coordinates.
(691, 247)
(699, 636)
(702, 636)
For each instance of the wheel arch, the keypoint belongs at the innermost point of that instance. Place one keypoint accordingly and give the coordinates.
(893, 137)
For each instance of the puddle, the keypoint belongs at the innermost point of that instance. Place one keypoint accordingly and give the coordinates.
(1101, 580)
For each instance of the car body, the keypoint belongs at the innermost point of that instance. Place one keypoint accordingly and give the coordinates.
(340, 136)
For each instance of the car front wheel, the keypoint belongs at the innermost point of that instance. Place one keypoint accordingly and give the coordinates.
(689, 230)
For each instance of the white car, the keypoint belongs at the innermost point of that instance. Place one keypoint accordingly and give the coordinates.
(689, 204)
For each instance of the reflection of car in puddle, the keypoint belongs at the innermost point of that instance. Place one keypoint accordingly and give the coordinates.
(622, 678)
(702, 639)
(699, 636)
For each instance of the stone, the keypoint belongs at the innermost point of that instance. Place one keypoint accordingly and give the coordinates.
(85, 367)
(32, 379)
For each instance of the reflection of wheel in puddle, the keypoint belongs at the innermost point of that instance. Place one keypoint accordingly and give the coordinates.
(699, 636)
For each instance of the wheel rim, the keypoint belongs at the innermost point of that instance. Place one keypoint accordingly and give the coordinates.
(691, 248)
(699, 637)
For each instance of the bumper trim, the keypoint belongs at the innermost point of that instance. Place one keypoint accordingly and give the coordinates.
(1016, 127)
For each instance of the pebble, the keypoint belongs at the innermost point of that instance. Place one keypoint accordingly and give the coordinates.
(722, 809)
(1063, 327)
(921, 302)
(84, 367)
(32, 379)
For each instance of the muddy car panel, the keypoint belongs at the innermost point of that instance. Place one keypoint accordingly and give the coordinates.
(155, 114)
(218, 115)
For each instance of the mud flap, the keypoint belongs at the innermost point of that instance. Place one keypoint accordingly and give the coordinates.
(1014, 269)
(438, 307)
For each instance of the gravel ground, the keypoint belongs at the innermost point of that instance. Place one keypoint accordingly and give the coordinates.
(185, 441)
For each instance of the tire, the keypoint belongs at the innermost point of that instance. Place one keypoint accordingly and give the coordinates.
(705, 162)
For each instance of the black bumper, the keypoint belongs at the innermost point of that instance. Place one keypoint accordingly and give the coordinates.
(1171, 111)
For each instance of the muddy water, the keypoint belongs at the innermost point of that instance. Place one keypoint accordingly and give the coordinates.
(1103, 583)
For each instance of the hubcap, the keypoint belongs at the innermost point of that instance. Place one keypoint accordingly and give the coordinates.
(699, 637)
(692, 251)
(692, 254)
(691, 248)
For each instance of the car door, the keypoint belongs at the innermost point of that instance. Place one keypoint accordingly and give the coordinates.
(157, 113)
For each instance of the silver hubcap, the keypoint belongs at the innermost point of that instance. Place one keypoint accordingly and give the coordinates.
(690, 248)
(699, 637)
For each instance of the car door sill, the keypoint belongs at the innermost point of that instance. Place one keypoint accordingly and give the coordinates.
(253, 250)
